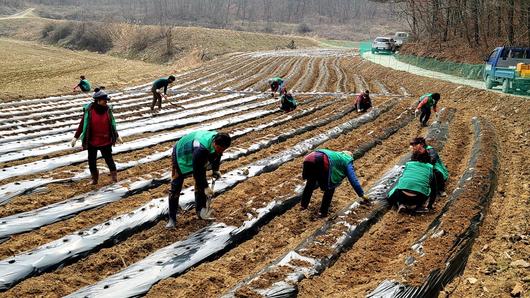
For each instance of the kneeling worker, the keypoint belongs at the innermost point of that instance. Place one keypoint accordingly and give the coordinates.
(192, 154)
(327, 168)
(417, 182)
(288, 103)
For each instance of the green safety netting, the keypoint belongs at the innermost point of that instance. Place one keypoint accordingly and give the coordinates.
(365, 46)
(469, 71)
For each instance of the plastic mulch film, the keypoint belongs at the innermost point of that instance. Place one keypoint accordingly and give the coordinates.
(217, 238)
(287, 287)
(485, 148)
(73, 246)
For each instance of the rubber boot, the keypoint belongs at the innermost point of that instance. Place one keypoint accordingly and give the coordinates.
(114, 176)
(95, 177)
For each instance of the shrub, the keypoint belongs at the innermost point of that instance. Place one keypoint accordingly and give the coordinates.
(303, 28)
(93, 37)
(53, 33)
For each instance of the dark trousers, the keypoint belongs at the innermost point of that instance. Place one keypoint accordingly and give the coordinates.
(425, 115)
(106, 152)
(399, 197)
(177, 180)
(310, 186)
(363, 106)
(316, 176)
(157, 99)
(440, 182)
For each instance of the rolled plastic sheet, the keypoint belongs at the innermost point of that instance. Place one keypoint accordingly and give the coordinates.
(81, 243)
(457, 255)
(288, 286)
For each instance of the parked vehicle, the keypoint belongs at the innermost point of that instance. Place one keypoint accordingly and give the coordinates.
(509, 67)
(383, 44)
(400, 38)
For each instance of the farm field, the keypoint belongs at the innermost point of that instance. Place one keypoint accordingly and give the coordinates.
(60, 235)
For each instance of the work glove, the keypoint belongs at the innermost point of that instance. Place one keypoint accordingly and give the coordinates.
(358, 110)
(120, 140)
(208, 192)
(158, 91)
(72, 142)
(216, 174)
(416, 113)
(365, 199)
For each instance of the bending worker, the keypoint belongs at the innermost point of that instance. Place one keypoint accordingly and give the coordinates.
(427, 101)
(277, 84)
(327, 169)
(192, 154)
(156, 89)
(417, 182)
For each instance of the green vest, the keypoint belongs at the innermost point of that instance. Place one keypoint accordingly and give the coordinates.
(430, 101)
(163, 82)
(84, 85)
(416, 176)
(86, 121)
(439, 166)
(338, 163)
(184, 148)
(278, 79)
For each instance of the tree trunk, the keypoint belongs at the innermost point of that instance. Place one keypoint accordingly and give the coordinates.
(509, 21)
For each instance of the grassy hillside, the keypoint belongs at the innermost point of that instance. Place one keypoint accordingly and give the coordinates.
(41, 57)
(146, 43)
(33, 70)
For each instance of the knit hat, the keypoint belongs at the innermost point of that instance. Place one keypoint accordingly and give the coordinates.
(100, 94)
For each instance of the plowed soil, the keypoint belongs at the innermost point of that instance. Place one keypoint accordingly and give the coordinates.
(380, 254)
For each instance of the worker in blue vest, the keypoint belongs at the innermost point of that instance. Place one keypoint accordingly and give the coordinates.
(327, 168)
(416, 186)
(192, 154)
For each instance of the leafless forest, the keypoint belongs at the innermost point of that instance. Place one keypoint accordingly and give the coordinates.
(478, 22)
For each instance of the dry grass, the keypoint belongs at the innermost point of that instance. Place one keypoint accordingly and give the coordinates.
(33, 70)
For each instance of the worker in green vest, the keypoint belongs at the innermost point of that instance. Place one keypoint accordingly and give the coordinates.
(440, 170)
(277, 84)
(192, 154)
(327, 168)
(83, 85)
(417, 182)
(427, 101)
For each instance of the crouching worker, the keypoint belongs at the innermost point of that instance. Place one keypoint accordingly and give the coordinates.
(83, 85)
(326, 169)
(417, 183)
(192, 154)
(288, 102)
(440, 171)
(97, 130)
(363, 102)
(277, 84)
